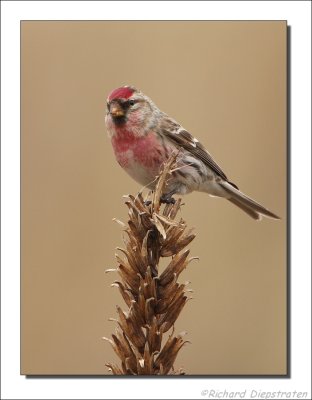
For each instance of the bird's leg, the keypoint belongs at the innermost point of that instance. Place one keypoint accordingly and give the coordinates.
(167, 198)
(164, 199)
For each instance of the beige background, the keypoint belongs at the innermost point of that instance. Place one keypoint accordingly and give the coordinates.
(226, 83)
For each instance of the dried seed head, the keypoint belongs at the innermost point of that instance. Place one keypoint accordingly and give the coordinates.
(154, 299)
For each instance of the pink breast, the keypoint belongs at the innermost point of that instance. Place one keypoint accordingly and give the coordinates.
(146, 150)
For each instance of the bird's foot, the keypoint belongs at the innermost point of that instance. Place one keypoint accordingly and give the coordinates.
(167, 199)
(147, 203)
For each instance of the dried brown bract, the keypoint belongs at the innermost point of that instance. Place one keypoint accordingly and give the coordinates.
(154, 299)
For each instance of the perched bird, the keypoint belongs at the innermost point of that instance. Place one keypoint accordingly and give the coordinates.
(143, 138)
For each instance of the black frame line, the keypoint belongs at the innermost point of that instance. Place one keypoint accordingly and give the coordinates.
(288, 221)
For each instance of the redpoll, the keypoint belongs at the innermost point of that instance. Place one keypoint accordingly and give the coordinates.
(143, 138)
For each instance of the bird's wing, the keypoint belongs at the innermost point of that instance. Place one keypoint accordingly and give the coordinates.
(182, 138)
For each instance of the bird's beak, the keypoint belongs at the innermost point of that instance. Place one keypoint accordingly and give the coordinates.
(116, 110)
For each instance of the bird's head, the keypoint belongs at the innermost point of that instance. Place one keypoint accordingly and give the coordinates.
(128, 108)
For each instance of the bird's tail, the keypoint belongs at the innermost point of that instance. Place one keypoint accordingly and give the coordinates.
(245, 203)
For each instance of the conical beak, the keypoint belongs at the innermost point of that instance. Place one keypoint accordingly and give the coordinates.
(116, 110)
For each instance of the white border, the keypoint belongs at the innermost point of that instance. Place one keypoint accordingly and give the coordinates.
(298, 14)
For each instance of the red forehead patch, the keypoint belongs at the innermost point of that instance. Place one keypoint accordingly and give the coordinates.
(121, 93)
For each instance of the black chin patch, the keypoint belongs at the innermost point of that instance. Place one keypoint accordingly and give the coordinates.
(120, 120)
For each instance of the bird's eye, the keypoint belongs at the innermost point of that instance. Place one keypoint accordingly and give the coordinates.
(132, 102)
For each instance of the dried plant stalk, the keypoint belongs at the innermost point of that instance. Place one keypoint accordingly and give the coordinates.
(154, 300)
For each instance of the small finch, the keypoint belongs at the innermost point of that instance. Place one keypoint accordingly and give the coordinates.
(143, 138)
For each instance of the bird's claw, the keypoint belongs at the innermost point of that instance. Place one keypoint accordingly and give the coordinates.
(167, 199)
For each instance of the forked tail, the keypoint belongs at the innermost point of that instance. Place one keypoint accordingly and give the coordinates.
(245, 203)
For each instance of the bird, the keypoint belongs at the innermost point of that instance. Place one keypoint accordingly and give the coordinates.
(143, 138)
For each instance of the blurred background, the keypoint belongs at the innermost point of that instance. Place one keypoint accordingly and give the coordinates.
(223, 81)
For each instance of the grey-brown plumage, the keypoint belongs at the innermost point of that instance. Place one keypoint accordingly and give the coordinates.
(144, 137)
(184, 140)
